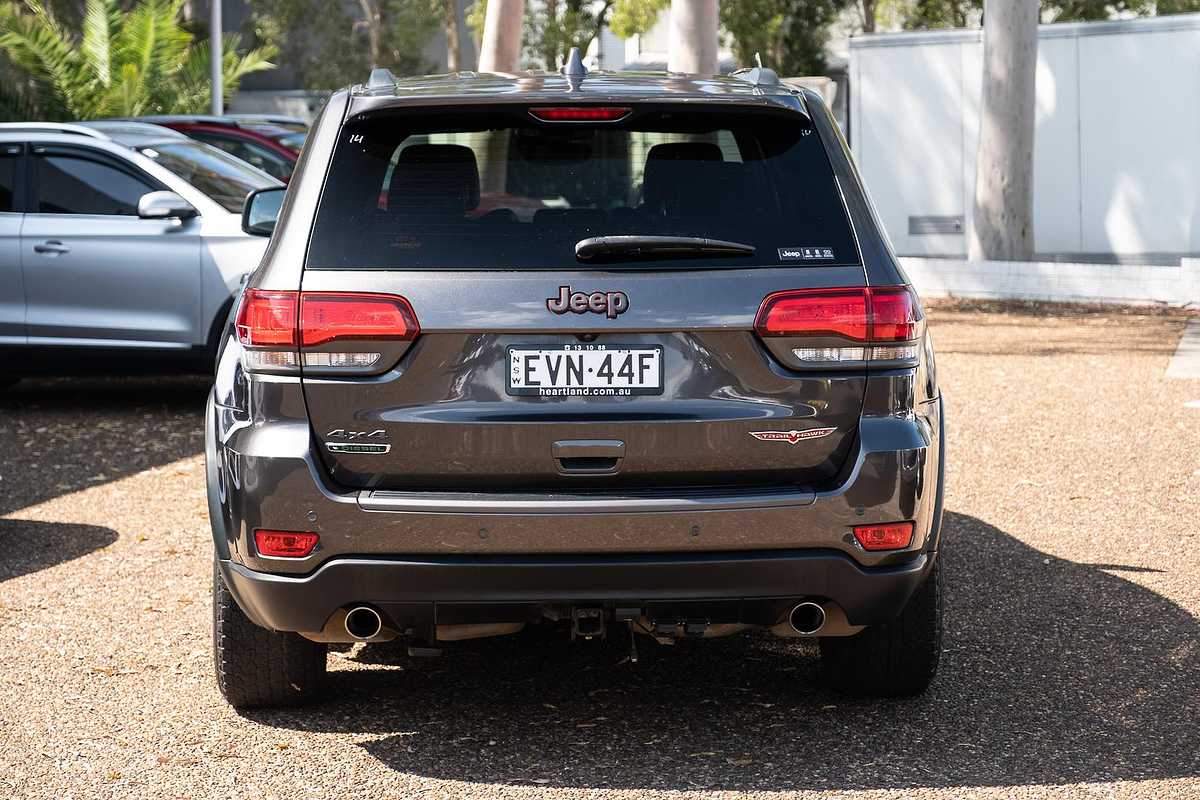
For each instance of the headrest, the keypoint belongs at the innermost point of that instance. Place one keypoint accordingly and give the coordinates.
(668, 165)
(437, 178)
(581, 217)
(684, 151)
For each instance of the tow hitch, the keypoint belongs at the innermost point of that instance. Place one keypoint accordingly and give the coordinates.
(587, 623)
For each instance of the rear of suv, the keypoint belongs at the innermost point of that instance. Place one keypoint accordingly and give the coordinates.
(625, 354)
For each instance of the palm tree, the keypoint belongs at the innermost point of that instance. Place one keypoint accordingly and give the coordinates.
(122, 64)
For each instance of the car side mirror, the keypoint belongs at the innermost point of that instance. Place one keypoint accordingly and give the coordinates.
(261, 210)
(164, 205)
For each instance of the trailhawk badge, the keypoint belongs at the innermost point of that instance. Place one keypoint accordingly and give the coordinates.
(791, 437)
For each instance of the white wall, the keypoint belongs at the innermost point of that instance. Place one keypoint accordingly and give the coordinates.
(1117, 153)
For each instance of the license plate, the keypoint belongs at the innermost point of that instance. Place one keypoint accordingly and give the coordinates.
(585, 370)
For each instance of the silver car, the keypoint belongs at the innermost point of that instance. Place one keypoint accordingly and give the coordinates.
(120, 246)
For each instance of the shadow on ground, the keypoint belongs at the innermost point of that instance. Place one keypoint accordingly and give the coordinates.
(27, 546)
(1052, 673)
(62, 435)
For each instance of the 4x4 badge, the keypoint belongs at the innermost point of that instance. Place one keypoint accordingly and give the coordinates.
(374, 442)
(608, 303)
(791, 437)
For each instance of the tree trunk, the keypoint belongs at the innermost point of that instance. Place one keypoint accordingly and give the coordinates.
(869, 8)
(1003, 213)
(501, 48)
(374, 25)
(453, 40)
(692, 46)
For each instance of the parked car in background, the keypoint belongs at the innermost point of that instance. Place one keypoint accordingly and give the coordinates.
(268, 142)
(120, 247)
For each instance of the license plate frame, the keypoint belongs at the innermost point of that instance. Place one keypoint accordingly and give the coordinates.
(584, 391)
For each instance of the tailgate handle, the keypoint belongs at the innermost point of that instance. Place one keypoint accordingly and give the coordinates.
(588, 456)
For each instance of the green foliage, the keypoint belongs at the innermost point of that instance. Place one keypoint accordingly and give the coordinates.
(634, 17)
(924, 14)
(553, 27)
(1089, 10)
(552, 31)
(927, 14)
(120, 63)
(327, 43)
(475, 16)
(789, 35)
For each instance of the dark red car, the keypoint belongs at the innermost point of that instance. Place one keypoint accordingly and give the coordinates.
(270, 143)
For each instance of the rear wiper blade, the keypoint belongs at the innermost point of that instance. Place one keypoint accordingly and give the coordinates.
(633, 248)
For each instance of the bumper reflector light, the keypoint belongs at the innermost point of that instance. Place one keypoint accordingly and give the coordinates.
(285, 544)
(889, 536)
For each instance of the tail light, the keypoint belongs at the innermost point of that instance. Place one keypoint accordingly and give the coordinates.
(889, 536)
(814, 327)
(285, 544)
(580, 113)
(326, 331)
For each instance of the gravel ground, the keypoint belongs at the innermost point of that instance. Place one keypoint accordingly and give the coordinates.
(1071, 664)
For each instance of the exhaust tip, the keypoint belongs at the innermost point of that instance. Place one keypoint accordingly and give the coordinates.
(363, 622)
(807, 618)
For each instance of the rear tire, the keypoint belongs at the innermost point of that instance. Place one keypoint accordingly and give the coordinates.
(257, 667)
(895, 659)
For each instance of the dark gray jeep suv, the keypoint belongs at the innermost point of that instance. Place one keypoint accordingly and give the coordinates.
(627, 354)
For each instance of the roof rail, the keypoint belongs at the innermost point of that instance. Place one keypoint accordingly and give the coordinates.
(53, 127)
(381, 78)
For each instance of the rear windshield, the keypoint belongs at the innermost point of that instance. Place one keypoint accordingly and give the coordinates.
(499, 189)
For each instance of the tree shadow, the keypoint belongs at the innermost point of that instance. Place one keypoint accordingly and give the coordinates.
(1053, 673)
(28, 546)
(62, 435)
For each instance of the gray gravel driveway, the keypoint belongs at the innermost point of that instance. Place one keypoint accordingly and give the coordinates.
(1071, 664)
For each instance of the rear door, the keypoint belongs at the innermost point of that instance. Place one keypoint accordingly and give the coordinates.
(12, 292)
(550, 358)
(97, 275)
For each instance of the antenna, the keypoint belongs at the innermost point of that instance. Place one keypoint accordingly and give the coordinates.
(381, 78)
(574, 67)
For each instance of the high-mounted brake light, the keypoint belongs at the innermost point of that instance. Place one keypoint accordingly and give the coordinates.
(580, 113)
(285, 544)
(279, 330)
(890, 536)
(888, 317)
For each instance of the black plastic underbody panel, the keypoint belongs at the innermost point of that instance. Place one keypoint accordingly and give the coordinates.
(467, 589)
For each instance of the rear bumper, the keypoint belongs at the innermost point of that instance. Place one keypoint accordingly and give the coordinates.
(265, 476)
(754, 588)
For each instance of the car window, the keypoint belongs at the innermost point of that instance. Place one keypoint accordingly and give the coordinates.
(68, 184)
(500, 189)
(253, 154)
(219, 175)
(8, 178)
(294, 140)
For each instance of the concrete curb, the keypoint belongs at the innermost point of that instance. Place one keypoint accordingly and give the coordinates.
(1128, 284)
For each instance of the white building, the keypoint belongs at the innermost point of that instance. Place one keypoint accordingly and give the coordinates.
(1117, 153)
